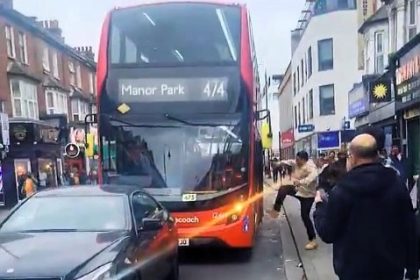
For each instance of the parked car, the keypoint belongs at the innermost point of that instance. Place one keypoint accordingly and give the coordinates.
(89, 233)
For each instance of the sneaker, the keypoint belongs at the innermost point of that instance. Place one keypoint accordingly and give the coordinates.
(312, 245)
(273, 213)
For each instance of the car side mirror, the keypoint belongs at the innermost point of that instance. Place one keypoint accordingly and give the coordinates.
(151, 224)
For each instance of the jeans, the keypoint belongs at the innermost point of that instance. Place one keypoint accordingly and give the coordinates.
(305, 207)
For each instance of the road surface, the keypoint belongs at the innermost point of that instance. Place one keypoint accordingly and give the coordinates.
(266, 262)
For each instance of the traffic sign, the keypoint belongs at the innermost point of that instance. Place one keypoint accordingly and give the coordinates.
(72, 150)
(306, 128)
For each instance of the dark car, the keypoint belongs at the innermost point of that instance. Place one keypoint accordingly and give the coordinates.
(89, 233)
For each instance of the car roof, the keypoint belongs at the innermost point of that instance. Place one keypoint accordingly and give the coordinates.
(91, 190)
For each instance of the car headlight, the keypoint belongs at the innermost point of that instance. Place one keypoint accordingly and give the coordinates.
(101, 273)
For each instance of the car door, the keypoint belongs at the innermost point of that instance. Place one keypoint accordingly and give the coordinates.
(150, 254)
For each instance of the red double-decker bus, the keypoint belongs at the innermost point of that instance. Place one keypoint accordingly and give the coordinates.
(177, 115)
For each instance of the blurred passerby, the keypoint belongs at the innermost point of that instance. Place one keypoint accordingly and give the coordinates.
(29, 185)
(369, 219)
(303, 187)
(275, 167)
(400, 162)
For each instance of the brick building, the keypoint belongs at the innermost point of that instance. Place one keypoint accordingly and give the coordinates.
(46, 89)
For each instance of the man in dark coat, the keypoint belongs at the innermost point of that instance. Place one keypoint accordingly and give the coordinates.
(369, 219)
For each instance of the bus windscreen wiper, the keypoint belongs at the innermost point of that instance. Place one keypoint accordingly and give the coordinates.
(130, 124)
(179, 120)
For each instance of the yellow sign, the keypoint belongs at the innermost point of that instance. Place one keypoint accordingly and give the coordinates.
(380, 91)
(123, 108)
(90, 144)
(266, 138)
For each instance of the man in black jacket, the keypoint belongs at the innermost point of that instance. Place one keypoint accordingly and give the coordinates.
(369, 219)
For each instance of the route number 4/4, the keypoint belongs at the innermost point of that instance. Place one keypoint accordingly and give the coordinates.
(215, 89)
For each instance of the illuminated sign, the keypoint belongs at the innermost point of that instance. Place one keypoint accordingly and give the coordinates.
(408, 74)
(173, 90)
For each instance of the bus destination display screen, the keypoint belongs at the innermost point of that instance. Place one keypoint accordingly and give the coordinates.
(173, 90)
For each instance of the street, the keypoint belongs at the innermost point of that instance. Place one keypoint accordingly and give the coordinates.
(266, 263)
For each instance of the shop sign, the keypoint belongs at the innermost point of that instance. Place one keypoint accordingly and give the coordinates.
(358, 101)
(408, 74)
(330, 139)
(72, 150)
(20, 132)
(380, 91)
(287, 139)
(411, 114)
(5, 134)
(306, 128)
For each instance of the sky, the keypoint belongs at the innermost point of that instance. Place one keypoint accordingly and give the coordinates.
(81, 21)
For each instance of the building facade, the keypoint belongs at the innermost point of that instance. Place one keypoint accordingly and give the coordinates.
(323, 72)
(46, 89)
(285, 99)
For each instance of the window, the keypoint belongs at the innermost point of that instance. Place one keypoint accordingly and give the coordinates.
(46, 59)
(298, 78)
(294, 83)
(79, 76)
(55, 65)
(296, 118)
(144, 207)
(325, 55)
(24, 99)
(309, 62)
(301, 73)
(23, 50)
(379, 52)
(72, 74)
(303, 110)
(79, 110)
(56, 102)
(10, 41)
(299, 115)
(137, 44)
(412, 19)
(311, 104)
(91, 83)
(326, 100)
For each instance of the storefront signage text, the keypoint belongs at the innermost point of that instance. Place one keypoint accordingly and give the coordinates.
(408, 74)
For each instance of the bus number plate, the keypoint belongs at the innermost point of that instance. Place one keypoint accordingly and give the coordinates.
(183, 242)
(189, 197)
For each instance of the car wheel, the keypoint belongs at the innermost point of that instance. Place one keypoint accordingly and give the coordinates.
(174, 274)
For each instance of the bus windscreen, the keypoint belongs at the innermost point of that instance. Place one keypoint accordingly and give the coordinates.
(175, 34)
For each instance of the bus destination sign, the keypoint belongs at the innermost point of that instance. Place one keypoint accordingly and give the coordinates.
(173, 90)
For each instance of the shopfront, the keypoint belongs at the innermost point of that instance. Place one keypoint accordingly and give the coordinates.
(34, 149)
(407, 81)
(287, 141)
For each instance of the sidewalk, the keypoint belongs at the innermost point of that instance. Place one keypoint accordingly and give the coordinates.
(317, 264)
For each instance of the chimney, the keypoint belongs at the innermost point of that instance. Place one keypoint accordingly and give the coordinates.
(86, 51)
(6, 4)
(53, 27)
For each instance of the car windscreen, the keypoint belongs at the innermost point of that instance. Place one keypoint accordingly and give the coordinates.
(73, 213)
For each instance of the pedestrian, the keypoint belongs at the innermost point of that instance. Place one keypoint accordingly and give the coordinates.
(29, 186)
(369, 219)
(303, 187)
(332, 173)
(275, 167)
(400, 162)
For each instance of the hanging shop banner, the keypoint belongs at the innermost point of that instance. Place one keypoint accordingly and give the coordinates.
(380, 91)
